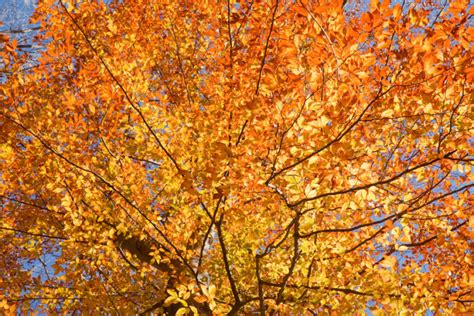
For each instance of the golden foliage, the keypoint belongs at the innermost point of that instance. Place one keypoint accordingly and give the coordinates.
(198, 157)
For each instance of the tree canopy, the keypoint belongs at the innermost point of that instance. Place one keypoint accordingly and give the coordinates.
(238, 157)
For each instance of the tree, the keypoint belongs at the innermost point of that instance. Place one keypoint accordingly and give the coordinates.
(239, 157)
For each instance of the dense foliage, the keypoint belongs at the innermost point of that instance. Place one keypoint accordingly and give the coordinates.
(238, 156)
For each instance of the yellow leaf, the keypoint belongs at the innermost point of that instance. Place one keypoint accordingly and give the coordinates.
(212, 291)
(194, 310)
(170, 300)
(387, 113)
